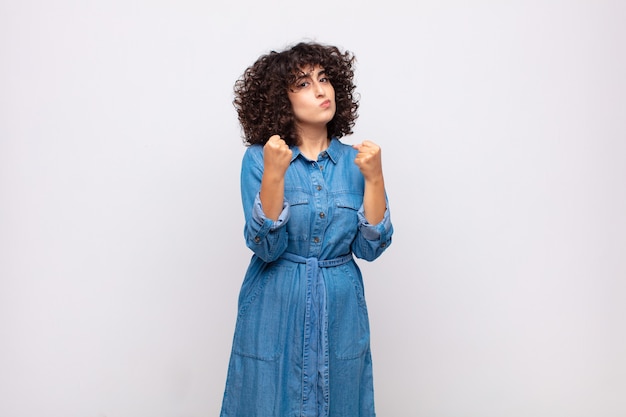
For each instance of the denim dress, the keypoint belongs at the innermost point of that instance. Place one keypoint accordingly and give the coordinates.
(301, 344)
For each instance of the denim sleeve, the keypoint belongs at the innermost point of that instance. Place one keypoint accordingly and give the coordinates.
(372, 240)
(265, 237)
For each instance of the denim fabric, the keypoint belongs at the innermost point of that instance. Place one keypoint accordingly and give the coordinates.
(301, 343)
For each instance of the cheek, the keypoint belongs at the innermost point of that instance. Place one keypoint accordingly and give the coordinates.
(298, 108)
(297, 101)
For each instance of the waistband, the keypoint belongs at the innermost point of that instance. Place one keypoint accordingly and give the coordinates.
(321, 263)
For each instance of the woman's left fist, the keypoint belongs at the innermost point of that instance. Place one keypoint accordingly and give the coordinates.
(369, 161)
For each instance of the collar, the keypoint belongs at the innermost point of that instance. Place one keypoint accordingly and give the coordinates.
(333, 151)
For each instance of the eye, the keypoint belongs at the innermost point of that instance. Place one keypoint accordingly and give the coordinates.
(303, 84)
(324, 80)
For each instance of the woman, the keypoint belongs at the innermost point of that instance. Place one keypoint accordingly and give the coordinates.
(301, 344)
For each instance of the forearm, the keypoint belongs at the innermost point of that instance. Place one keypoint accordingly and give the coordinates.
(374, 201)
(272, 195)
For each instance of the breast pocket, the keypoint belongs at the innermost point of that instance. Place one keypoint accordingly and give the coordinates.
(345, 219)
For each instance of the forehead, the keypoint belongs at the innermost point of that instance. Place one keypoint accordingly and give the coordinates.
(309, 70)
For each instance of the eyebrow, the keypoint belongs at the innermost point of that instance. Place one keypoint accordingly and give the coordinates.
(311, 73)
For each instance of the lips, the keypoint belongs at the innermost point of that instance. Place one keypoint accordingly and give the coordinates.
(325, 104)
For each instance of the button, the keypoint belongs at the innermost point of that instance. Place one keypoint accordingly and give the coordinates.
(316, 239)
(382, 245)
(318, 188)
(322, 215)
(257, 239)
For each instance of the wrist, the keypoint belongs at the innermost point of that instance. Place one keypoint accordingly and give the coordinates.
(271, 177)
(375, 180)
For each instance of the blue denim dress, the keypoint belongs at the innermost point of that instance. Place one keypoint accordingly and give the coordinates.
(301, 344)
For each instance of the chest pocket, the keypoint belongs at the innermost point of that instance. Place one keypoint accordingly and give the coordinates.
(345, 219)
(348, 201)
(299, 215)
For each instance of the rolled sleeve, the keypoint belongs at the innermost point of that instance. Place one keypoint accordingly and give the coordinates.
(260, 218)
(266, 237)
(372, 240)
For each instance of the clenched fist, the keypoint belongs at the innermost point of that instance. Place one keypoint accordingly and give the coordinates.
(276, 156)
(369, 161)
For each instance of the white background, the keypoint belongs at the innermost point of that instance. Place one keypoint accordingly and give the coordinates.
(503, 128)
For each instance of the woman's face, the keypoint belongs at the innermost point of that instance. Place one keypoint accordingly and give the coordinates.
(312, 98)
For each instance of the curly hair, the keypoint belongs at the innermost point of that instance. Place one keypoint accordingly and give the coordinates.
(261, 99)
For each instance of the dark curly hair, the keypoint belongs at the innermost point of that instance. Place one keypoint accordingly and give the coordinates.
(261, 100)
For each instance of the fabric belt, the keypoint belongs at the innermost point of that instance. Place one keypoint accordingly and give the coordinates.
(315, 379)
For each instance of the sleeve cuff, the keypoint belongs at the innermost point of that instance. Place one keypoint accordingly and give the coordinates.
(374, 232)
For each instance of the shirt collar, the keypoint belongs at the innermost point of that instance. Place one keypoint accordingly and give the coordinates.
(334, 151)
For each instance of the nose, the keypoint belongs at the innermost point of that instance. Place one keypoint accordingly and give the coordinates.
(319, 89)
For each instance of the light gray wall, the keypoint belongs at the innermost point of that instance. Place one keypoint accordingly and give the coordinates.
(503, 131)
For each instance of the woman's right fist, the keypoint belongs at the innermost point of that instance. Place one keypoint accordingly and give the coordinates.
(276, 155)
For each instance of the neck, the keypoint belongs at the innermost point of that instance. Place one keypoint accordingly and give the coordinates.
(312, 148)
(312, 143)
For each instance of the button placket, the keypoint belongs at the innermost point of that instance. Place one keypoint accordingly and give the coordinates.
(319, 199)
